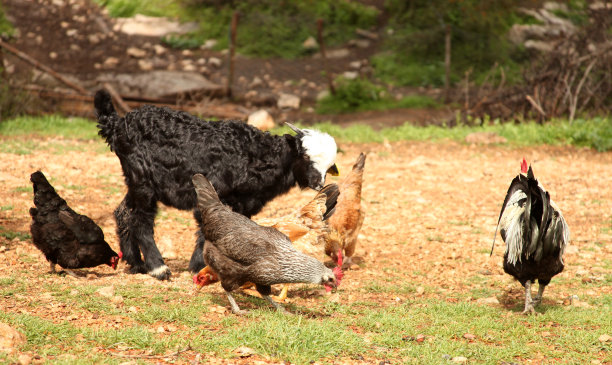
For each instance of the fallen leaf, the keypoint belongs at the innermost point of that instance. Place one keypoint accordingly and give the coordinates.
(605, 338)
(469, 336)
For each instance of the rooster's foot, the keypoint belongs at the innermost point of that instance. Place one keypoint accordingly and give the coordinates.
(71, 273)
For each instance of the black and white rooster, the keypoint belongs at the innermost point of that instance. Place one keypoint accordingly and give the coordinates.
(535, 234)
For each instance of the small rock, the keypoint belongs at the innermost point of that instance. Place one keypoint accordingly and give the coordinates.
(159, 49)
(52, 55)
(310, 43)
(2, 248)
(257, 82)
(288, 101)
(459, 359)
(356, 65)
(490, 300)
(132, 309)
(262, 120)
(72, 32)
(244, 351)
(117, 299)
(350, 75)
(209, 44)
(187, 53)
(215, 62)
(10, 339)
(420, 290)
(145, 65)
(24, 359)
(93, 38)
(160, 329)
(605, 338)
(136, 52)
(74, 292)
(110, 62)
(106, 291)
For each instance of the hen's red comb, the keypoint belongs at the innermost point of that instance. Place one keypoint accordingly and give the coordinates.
(340, 257)
(524, 166)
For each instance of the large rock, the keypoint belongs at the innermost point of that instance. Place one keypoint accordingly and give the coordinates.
(288, 101)
(10, 339)
(157, 84)
(152, 26)
(261, 119)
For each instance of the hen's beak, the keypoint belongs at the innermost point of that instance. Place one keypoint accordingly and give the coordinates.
(333, 170)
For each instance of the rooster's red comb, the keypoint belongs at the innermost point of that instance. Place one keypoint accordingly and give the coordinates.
(524, 166)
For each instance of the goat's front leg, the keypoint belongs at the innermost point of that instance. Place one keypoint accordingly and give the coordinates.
(140, 222)
(197, 258)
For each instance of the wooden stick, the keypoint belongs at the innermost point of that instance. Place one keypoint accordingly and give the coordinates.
(535, 105)
(39, 65)
(232, 51)
(330, 80)
(115, 95)
(447, 63)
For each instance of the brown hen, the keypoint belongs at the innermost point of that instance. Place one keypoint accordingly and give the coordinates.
(348, 215)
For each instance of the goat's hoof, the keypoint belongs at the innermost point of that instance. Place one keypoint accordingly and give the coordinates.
(161, 272)
(137, 269)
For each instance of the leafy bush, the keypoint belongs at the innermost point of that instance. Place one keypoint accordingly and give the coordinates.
(415, 43)
(6, 28)
(361, 94)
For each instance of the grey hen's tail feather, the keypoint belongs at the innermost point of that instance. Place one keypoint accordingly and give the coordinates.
(207, 196)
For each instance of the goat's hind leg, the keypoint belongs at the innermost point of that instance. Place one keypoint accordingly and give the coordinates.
(129, 246)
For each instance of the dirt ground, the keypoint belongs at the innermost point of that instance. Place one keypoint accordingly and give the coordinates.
(431, 213)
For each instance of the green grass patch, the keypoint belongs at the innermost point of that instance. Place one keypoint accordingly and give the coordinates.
(129, 8)
(46, 126)
(594, 133)
(10, 235)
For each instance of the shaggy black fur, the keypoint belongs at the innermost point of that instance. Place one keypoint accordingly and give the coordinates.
(160, 149)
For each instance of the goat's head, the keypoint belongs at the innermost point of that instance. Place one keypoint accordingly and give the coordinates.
(317, 157)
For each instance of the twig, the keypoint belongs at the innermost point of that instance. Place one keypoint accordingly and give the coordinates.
(143, 356)
(39, 65)
(574, 102)
(115, 95)
(535, 105)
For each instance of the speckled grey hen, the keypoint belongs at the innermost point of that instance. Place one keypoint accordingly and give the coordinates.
(240, 251)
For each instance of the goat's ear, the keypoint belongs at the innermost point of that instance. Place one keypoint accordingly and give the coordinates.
(296, 143)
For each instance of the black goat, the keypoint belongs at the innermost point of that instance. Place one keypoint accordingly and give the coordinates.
(160, 149)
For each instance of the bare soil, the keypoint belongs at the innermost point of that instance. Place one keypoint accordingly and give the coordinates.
(431, 213)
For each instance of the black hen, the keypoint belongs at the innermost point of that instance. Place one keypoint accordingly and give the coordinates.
(535, 234)
(67, 238)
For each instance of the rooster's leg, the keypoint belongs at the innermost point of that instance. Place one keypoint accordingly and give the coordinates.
(528, 300)
(538, 299)
(276, 305)
(234, 305)
(52, 265)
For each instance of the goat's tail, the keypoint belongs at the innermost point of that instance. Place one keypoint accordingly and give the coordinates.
(207, 196)
(107, 116)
